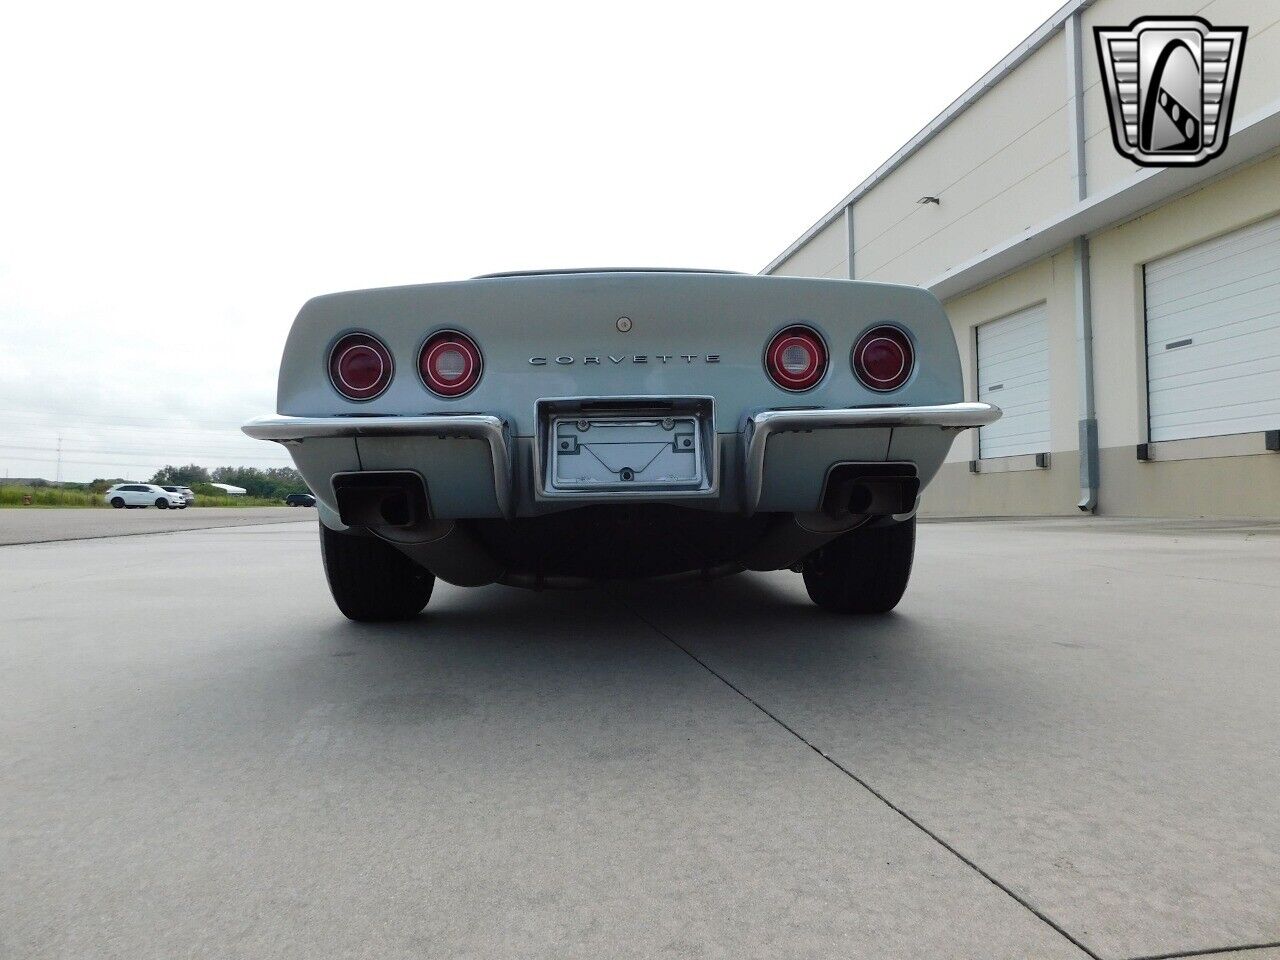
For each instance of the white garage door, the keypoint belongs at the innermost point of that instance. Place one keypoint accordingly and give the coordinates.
(1013, 373)
(1213, 336)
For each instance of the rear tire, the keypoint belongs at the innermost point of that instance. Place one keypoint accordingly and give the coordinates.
(117, 502)
(371, 580)
(862, 571)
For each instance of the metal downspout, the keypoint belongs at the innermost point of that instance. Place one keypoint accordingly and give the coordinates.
(1088, 423)
(848, 237)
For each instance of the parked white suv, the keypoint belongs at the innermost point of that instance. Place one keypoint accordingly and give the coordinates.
(143, 495)
(188, 495)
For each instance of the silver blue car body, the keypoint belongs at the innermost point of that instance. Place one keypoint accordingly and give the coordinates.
(628, 355)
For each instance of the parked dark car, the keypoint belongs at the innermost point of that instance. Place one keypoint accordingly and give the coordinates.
(300, 500)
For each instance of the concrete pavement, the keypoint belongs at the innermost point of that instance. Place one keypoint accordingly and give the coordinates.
(45, 525)
(1062, 746)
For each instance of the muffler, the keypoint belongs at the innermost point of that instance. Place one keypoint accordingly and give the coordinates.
(449, 550)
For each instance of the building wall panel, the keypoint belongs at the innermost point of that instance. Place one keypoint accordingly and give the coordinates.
(1260, 78)
(825, 255)
(998, 168)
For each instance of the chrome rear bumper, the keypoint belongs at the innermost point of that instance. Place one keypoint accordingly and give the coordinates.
(284, 429)
(489, 429)
(493, 431)
(760, 427)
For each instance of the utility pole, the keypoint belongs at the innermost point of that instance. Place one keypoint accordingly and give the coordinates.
(57, 477)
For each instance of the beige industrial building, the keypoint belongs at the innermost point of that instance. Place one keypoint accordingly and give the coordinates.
(1126, 318)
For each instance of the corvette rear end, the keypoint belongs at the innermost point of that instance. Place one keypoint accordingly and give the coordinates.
(560, 428)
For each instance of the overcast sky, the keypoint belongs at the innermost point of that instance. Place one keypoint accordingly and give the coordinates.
(176, 179)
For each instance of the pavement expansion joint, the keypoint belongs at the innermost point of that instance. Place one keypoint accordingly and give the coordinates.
(1021, 901)
(1210, 951)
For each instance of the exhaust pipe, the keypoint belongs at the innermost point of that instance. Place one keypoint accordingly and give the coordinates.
(377, 499)
(871, 489)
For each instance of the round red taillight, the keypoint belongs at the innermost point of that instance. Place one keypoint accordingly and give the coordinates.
(450, 363)
(360, 366)
(883, 358)
(796, 358)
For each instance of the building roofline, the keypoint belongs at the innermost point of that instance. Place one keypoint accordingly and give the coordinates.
(1012, 60)
(576, 271)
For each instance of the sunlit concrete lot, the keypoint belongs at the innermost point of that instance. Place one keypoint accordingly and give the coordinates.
(1063, 744)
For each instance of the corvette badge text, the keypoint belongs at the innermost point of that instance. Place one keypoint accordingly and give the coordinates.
(1171, 86)
(627, 358)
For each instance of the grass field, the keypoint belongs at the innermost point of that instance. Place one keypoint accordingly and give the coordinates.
(12, 496)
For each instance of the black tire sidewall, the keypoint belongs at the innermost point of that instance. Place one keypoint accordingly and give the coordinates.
(863, 571)
(372, 581)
